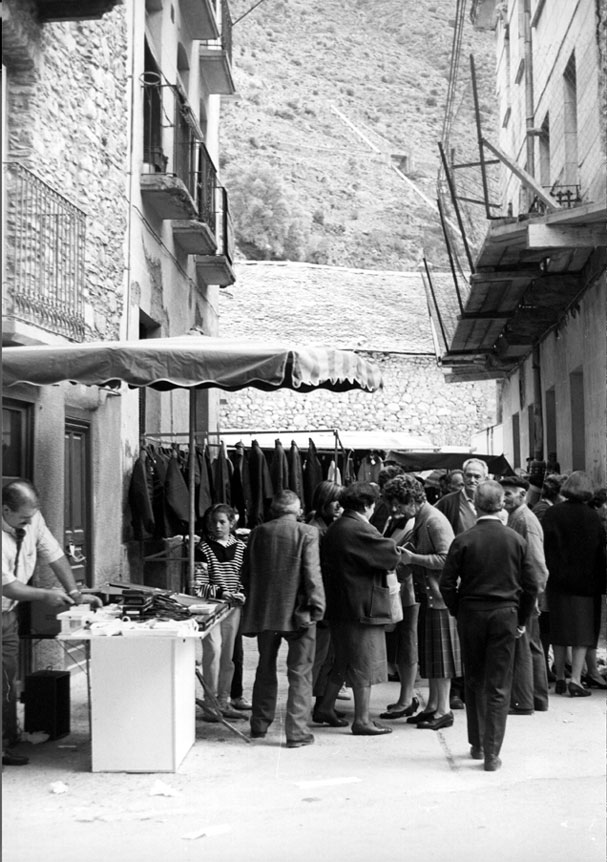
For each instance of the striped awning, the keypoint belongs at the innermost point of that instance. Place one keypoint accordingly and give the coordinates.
(191, 362)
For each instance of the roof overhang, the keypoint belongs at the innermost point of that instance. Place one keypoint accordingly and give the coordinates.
(528, 274)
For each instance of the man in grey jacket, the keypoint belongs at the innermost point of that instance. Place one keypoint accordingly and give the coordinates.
(285, 599)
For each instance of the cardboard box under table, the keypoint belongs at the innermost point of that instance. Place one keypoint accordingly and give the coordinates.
(143, 697)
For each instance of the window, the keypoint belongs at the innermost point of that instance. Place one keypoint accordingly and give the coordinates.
(16, 440)
(152, 115)
(578, 424)
(570, 123)
(516, 441)
(550, 421)
(544, 151)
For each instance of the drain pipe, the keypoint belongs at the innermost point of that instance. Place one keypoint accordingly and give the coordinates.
(529, 106)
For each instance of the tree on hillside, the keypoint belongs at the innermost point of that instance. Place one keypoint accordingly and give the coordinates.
(268, 221)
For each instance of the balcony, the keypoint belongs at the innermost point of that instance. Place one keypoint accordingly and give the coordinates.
(200, 19)
(197, 235)
(168, 185)
(216, 58)
(44, 260)
(74, 10)
(217, 268)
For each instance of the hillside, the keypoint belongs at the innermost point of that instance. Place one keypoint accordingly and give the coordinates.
(333, 95)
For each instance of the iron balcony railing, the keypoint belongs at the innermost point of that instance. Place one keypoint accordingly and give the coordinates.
(191, 162)
(225, 228)
(224, 43)
(45, 238)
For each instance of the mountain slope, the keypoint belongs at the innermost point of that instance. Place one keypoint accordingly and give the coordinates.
(334, 96)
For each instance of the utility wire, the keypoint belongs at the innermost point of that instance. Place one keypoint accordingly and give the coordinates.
(259, 2)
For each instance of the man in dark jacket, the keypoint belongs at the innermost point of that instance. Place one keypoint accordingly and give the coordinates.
(285, 598)
(356, 560)
(489, 584)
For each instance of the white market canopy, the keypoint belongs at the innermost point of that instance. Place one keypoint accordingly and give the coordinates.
(191, 362)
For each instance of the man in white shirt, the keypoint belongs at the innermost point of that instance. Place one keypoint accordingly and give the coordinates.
(25, 539)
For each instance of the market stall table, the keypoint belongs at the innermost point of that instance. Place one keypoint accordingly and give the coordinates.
(143, 694)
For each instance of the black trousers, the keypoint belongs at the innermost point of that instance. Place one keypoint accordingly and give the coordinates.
(487, 640)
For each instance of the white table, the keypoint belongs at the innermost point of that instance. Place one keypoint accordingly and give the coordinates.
(142, 699)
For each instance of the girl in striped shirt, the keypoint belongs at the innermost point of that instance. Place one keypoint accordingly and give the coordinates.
(223, 554)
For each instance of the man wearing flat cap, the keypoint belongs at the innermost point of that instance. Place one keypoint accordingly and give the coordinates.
(530, 680)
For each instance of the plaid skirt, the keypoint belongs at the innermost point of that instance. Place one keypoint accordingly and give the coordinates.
(439, 650)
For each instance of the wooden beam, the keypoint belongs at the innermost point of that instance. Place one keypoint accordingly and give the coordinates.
(527, 180)
(541, 235)
(486, 315)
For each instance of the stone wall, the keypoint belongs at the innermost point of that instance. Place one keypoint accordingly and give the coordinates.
(67, 122)
(415, 399)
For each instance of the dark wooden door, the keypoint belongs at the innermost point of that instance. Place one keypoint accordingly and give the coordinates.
(76, 517)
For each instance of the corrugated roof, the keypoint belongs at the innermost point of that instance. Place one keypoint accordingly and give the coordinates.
(310, 304)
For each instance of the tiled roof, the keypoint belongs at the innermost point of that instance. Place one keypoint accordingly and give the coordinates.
(348, 308)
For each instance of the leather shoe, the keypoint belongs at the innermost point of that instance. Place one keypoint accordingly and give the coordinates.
(560, 686)
(456, 703)
(331, 719)
(576, 690)
(9, 758)
(299, 743)
(258, 734)
(402, 713)
(593, 682)
(516, 711)
(421, 716)
(492, 764)
(445, 720)
(476, 752)
(374, 729)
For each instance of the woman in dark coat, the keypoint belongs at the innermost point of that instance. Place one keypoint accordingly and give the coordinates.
(356, 560)
(575, 556)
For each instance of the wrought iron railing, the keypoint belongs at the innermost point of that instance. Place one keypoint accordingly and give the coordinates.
(225, 228)
(224, 43)
(44, 254)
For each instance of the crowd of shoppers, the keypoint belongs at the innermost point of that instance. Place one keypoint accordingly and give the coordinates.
(478, 568)
(494, 601)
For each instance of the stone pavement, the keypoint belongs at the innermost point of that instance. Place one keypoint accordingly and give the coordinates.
(412, 794)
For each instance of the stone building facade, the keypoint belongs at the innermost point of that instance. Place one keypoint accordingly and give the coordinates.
(111, 120)
(534, 310)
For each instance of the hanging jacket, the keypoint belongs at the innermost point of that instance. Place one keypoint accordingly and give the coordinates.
(279, 468)
(295, 471)
(261, 486)
(140, 499)
(312, 474)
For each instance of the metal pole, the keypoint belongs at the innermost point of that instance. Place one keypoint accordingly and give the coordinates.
(192, 489)
(440, 320)
(479, 135)
(451, 261)
(455, 206)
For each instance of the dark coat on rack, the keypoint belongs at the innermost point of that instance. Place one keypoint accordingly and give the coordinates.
(312, 475)
(221, 478)
(295, 472)
(240, 483)
(261, 486)
(140, 499)
(279, 468)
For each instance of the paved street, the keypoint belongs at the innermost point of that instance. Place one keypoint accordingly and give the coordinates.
(411, 795)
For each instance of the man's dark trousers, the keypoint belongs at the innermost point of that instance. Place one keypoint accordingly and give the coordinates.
(300, 660)
(487, 639)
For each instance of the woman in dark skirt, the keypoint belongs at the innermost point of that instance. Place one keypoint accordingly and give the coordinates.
(438, 643)
(575, 555)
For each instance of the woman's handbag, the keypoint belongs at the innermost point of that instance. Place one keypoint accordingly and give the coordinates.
(396, 606)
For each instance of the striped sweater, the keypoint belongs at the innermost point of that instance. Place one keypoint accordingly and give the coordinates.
(224, 564)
